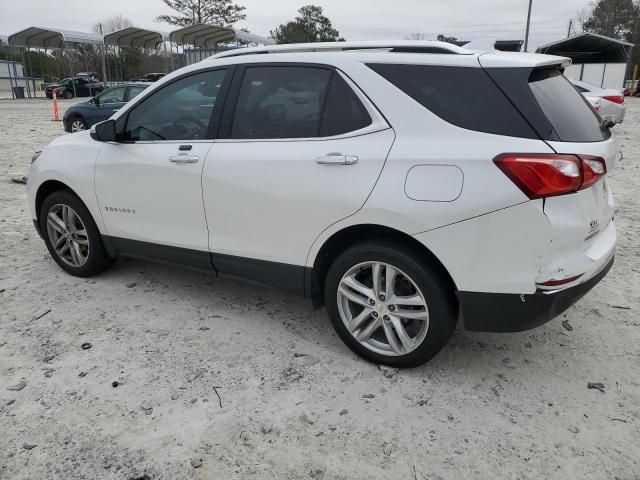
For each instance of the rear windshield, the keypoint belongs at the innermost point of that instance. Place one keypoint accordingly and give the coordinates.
(463, 96)
(568, 112)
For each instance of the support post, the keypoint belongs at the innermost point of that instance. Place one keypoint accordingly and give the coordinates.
(526, 35)
(24, 73)
(10, 64)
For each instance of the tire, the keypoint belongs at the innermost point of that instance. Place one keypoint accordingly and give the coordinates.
(77, 124)
(68, 95)
(82, 251)
(415, 281)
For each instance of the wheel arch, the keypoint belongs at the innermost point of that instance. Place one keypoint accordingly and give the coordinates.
(46, 189)
(349, 236)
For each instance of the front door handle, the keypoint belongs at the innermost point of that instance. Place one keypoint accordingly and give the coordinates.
(337, 159)
(184, 158)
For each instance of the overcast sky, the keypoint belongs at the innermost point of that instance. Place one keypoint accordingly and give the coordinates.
(355, 19)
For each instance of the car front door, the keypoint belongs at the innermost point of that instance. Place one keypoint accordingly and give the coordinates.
(300, 147)
(149, 184)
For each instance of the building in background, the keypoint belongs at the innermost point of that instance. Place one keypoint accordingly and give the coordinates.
(596, 59)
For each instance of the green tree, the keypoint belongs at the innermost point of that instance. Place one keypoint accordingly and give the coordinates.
(220, 13)
(310, 26)
(613, 18)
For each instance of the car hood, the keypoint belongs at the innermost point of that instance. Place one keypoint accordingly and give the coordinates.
(82, 137)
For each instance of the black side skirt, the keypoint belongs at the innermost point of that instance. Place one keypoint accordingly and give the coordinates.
(290, 278)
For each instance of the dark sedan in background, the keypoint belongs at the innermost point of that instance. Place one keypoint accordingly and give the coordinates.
(82, 115)
(74, 87)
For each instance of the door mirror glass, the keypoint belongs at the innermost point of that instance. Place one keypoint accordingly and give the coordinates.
(104, 131)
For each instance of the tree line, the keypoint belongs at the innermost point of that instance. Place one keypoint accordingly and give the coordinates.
(613, 18)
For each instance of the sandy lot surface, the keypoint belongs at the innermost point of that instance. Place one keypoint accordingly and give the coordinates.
(247, 382)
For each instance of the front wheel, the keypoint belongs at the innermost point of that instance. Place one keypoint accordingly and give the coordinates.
(68, 95)
(389, 305)
(71, 235)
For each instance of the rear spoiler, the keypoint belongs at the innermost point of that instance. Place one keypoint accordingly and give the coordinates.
(517, 59)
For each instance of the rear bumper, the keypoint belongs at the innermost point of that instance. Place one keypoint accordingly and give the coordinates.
(508, 312)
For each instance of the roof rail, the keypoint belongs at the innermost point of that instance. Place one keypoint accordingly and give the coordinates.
(399, 46)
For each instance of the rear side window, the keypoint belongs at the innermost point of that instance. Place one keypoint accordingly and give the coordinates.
(568, 112)
(280, 102)
(463, 96)
(343, 111)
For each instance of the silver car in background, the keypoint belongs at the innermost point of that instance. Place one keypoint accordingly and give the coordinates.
(608, 102)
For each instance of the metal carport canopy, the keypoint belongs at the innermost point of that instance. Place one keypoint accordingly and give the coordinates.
(135, 37)
(207, 36)
(37, 37)
(589, 48)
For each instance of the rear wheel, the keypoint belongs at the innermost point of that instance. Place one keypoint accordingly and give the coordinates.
(389, 305)
(71, 235)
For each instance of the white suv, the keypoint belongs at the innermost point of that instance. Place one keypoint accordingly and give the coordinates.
(403, 185)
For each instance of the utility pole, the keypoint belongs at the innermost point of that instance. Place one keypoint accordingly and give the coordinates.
(104, 54)
(526, 35)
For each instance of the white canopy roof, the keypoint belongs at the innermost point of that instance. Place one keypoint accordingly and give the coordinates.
(135, 37)
(37, 37)
(207, 36)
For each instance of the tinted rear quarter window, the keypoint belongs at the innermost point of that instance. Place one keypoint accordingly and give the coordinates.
(463, 96)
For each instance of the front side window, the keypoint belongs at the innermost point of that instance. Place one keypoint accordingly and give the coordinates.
(115, 95)
(180, 110)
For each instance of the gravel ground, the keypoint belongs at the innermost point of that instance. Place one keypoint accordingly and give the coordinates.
(220, 379)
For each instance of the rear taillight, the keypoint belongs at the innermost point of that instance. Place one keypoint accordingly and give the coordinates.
(550, 175)
(615, 99)
(593, 168)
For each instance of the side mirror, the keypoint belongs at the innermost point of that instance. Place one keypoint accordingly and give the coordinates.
(94, 100)
(104, 131)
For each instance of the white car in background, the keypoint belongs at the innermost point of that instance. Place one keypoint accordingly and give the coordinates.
(608, 102)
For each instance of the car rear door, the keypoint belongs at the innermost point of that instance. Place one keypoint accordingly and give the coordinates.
(299, 149)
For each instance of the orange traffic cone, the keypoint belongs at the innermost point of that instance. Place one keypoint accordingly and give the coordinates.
(56, 115)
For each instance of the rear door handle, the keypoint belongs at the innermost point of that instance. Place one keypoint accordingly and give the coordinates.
(184, 158)
(337, 159)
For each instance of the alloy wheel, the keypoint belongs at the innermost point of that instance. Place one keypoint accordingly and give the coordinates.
(77, 126)
(68, 235)
(383, 308)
